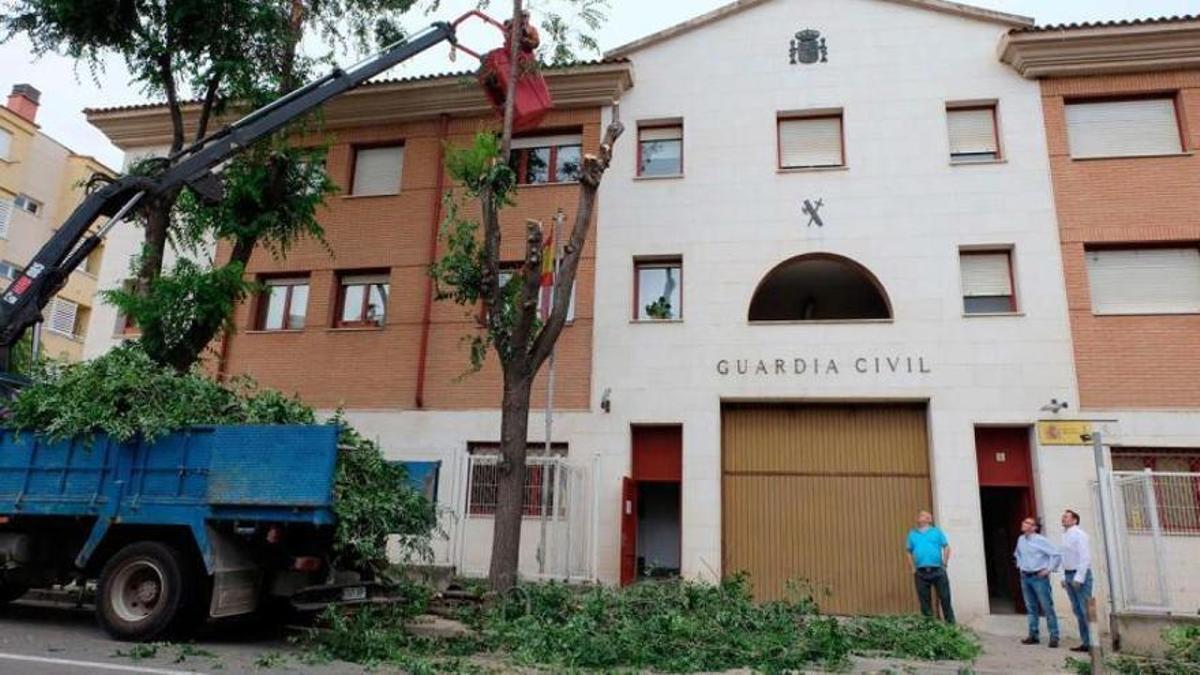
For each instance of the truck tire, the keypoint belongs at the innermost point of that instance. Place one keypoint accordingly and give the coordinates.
(148, 591)
(10, 592)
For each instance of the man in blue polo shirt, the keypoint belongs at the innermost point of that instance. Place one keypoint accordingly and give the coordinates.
(929, 554)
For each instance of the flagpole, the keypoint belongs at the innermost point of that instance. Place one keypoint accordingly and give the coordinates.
(558, 220)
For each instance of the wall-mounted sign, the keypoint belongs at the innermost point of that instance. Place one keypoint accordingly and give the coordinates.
(819, 366)
(808, 47)
(813, 211)
(1064, 433)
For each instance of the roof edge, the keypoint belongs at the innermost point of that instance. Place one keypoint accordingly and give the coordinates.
(1103, 49)
(1014, 21)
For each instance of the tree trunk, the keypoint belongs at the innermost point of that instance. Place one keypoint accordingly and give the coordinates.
(158, 225)
(510, 495)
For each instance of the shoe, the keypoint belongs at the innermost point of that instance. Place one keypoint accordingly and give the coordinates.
(1030, 641)
(1081, 649)
(1053, 643)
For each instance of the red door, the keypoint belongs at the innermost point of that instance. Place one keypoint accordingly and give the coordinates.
(628, 531)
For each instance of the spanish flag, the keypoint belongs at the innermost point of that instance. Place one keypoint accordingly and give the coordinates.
(547, 296)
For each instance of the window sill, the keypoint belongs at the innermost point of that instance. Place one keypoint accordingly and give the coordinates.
(986, 162)
(822, 322)
(285, 331)
(354, 197)
(991, 315)
(642, 322)
(354, 329)
(812, 169)
(1159, 155)
(674, 176)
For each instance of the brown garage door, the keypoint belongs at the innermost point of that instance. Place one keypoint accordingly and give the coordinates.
(824, 493)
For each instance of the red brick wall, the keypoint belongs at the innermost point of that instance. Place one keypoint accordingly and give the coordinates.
(378, 368)
(1128, 361)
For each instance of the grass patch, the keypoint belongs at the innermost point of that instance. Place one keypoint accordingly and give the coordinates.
(1182, 657)
(670, 626)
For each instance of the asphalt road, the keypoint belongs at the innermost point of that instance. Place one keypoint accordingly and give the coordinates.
(38, 638)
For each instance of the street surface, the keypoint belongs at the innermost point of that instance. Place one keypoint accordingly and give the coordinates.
(40, 638)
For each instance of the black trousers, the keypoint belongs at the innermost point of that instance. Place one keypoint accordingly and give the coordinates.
(927, 579)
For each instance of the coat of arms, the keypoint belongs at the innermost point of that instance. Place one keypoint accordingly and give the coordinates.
(808, 47)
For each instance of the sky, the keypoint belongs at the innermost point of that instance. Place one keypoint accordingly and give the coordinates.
(68, 89)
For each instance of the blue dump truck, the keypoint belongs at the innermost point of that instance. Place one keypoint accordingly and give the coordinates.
(206, 523)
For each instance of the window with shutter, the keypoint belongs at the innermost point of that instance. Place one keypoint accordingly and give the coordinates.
(1145, 281)
(660, 150)
(973, 134)
(6, 212)
(61, 319)
(5, 144)
(987, 282)
(283, 304)
(811, 142)
(1123, 128)
(378, 171)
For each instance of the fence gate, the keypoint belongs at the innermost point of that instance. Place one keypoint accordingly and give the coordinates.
(557, 533)
(1154, 522)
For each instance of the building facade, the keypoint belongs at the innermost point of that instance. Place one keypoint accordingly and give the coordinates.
(41, 183)
(1122, 109)
(824, 290)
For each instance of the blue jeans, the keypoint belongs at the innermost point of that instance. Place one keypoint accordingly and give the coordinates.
(1036, 591)
(1079, 603)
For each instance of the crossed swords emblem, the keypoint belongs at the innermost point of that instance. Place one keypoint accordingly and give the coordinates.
(813, 211)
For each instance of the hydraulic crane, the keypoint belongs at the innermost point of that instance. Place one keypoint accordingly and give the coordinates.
(22, 303)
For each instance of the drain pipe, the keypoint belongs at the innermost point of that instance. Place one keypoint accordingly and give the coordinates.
(434, 227)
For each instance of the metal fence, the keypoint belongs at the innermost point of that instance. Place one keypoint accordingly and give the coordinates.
(1154, 526)
(558, 528)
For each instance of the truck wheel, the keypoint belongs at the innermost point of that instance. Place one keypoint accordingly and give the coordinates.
(10, 592)
(147, 592)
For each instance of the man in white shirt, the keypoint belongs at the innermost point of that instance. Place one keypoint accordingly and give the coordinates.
(1077, 578)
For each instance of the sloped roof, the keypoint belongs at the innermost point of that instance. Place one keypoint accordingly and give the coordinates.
(943, 6)
(381, 82)
(1121, 23)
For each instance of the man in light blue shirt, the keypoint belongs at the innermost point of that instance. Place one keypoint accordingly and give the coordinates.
(929, 553)
(1037, 558)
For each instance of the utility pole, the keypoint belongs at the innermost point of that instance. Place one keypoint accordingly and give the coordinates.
(1104, 501)
(559, 219)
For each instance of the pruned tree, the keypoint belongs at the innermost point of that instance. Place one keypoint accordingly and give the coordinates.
(469, 274)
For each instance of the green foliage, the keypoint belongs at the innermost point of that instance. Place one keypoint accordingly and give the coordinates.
(126, 395)
(660, 309)
(480, 169)
(564, 36)
(372, 499)
(180, 312)
(912, 637)
(670, 626)
(271, 198)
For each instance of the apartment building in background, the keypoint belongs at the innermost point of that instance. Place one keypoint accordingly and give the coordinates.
(824, 290)
(41, 183)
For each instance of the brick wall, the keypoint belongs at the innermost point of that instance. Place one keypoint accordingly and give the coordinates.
(1128, 361)
(378, 368)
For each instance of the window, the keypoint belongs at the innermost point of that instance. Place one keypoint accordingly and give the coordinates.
(1176, 495)
(283, 304)
(9, 270)
(658, 288)
(1128, 128)
(548, 159)
(6, 212)
(62, 317)
(820, 287)
(1145, 280)
(987, 282)
(811, 141)
(541, 480)
(973, 134)
(660, 150)
(27, 203)
(363, 300)
(509, 269)
(5, 144)
(377, 171)
(92, 264)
